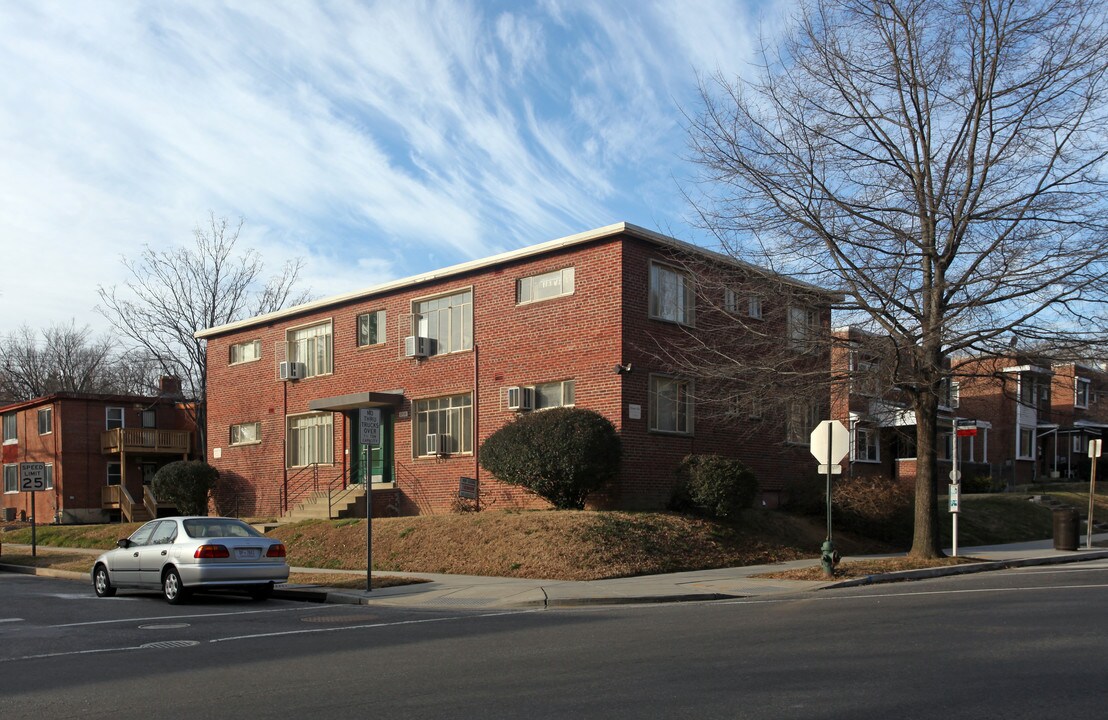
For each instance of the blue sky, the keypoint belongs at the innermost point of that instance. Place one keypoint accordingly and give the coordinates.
(375, 140)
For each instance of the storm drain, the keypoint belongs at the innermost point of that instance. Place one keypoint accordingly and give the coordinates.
(168, 644)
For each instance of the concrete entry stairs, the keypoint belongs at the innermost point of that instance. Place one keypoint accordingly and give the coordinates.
(329, 505)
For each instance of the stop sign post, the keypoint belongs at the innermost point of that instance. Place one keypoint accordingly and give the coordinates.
(829, 443)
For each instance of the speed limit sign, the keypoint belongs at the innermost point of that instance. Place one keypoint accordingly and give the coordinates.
(32, 476)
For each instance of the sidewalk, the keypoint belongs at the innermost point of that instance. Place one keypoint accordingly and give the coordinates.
(461, 591)
(465, 591)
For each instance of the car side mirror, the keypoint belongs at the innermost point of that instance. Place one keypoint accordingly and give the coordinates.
(124, 543)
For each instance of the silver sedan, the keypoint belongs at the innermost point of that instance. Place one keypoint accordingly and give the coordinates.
(180, 554)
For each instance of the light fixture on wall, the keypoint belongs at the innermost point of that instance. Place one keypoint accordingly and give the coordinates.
(623, 369)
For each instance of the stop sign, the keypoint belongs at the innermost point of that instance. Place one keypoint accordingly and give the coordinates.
(829, 442)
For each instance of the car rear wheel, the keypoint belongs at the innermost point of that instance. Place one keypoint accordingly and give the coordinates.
(172, 587)
(101, 583)
(261, 592)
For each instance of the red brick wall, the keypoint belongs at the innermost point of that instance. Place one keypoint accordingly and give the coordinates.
(582, 337)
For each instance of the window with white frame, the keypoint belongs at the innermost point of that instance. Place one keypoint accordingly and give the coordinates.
(1080, 443)
(730, 300)
(115, 473)
(443, 425)
(1026, 449)
(311, 346)
(113, 418)
(803, 327)
(1081, 392)
(447, 320)
(671, 295)
(11, 478)
(246, 351)
(48, 476)
(867, 447)
(11, 428)
(246, 433)
(671, 405)
(545, 286)
(46, 421)
(371, 328)
(801, 419)
(554, 394)
(754, 306)
(864, 379)
(310, 440)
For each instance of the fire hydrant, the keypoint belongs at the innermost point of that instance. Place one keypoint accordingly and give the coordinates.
(829, 558)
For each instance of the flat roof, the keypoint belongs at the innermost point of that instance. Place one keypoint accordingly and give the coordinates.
(621, 228)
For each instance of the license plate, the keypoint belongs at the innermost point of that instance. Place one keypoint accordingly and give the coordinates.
(247, 553)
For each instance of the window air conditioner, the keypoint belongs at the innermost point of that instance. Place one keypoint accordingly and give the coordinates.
(415, 346)
(521, 398)
(292, 370)
(432, 444)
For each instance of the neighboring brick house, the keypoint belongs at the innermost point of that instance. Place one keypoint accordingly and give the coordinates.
(100, 451)
(448, 357)
(880, 419)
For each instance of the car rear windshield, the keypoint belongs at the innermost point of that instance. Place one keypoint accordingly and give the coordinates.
(214, 527)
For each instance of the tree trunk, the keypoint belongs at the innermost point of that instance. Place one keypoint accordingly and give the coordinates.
(925, 538)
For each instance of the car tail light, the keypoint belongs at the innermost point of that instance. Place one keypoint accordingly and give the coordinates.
(277, 550)
(212, 551)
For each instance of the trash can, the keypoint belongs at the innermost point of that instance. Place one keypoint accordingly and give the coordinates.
(1067, 528)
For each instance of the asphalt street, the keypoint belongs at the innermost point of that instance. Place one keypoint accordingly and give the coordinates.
(1025, 643)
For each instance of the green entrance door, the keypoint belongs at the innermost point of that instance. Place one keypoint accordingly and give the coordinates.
(374, 462)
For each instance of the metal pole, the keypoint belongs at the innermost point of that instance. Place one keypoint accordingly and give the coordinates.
(829, 482)
(1089, 525)
(34, 539)
(957, 481)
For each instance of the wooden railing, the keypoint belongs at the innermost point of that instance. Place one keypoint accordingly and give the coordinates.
(150, 440)
(116, 497)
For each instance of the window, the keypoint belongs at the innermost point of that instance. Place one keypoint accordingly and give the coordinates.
(371, 328)
(803, 327)
(555, 394)
(49, 476)
(866, 444)
(671, 296)
(164, 533)
(311, 346)
(802, 418)
(864, 378)
(246, 433)
(114, 418)
(149, 418)
(11, 432)
(45, 421)
(543, 287)
(11, 478)
(246, 351)
(1026, 450)
(447, 320)
(730, 300)
(1081, 392)
(754, 307)
(450, 419)
(310, 440)
(671, 405)
(115, 473)
(1080, 444)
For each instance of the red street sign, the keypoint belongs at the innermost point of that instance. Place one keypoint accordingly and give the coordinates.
(967, 431)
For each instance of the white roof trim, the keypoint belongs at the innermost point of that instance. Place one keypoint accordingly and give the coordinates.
(526, 252)
(1028, 368)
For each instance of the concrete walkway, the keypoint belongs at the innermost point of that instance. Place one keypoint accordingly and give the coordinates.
(465, 591)
(461, 591)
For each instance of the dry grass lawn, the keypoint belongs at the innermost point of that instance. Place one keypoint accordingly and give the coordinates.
(848, 569)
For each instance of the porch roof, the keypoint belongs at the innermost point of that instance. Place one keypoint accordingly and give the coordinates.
(354, 401)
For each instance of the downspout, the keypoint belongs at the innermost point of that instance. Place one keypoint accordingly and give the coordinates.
(285, 446)
(476, 425)
(54, 458)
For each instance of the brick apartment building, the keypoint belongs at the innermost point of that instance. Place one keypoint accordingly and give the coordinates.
(100, 452)
(446, 358)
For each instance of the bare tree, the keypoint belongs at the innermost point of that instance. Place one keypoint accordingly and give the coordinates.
(65, 358)
(174, 293)
(938, 161)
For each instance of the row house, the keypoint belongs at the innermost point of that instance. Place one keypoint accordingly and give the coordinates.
(100, 453)
(396, 386)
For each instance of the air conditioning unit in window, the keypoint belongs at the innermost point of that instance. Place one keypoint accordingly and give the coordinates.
(417, 347)
(292, 370)
(432, 444)
(521, 398)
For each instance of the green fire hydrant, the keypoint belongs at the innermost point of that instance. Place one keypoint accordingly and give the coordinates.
(829, 558)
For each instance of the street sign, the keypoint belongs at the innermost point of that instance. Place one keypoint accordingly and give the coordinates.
(965, 427)
(955, 476)
(1094, 448)
(467, 488)
(369, 426)
(835, 469)
(32, 477)
(830, 442)
(955, 496)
